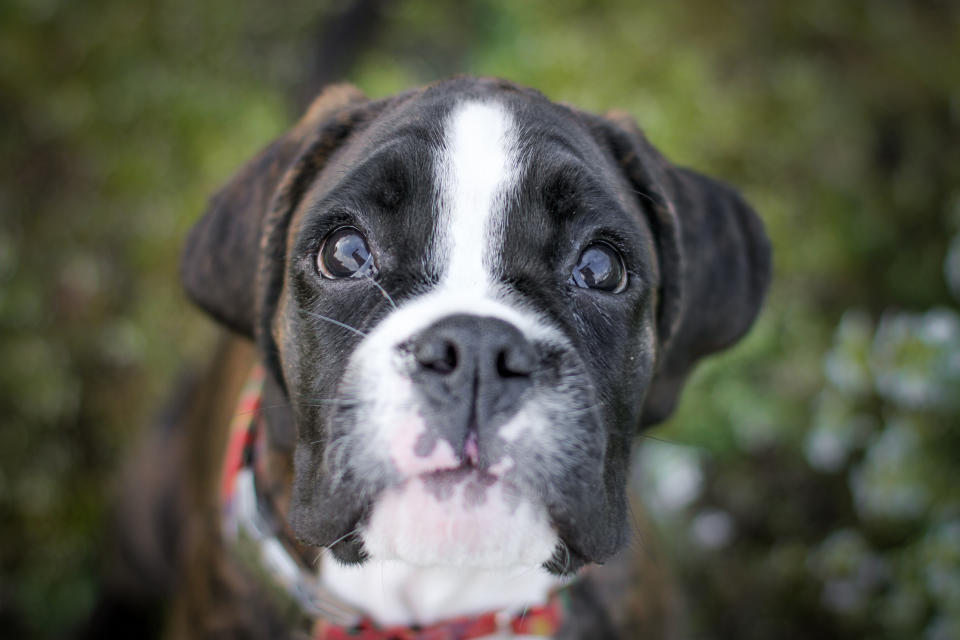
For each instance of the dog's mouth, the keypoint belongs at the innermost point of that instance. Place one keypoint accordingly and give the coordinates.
(443, 474)
(463, 516)
(440, 468)
(443, 484)
(458, 511)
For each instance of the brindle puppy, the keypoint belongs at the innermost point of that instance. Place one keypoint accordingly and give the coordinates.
(467, 300)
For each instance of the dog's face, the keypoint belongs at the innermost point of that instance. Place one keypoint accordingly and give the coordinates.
(473, 298)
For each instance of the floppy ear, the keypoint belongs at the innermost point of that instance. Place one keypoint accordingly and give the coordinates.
(223, 264)
(713, 254)
(725, 276)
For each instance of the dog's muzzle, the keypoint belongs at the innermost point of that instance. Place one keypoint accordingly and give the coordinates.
(471, 374)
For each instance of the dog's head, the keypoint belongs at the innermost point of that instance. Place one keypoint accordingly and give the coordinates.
(473, 298)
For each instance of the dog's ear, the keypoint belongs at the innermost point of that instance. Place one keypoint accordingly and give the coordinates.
(713, 255)
(223, 262)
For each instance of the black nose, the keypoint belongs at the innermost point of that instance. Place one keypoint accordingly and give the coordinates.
(458, 345)
(473, 372)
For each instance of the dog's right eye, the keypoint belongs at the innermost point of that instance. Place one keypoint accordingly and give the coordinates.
(345, 254)
(600, 267)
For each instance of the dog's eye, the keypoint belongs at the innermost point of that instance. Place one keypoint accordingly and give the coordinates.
(345, 254)
(600, 267)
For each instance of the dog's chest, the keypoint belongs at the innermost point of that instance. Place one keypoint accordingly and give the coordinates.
(397, 593)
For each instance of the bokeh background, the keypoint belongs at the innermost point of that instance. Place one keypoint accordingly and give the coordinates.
(809, 485)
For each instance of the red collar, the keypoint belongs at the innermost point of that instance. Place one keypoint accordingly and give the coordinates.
(265, 551)
(536, 621)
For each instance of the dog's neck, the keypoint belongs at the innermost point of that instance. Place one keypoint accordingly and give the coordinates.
(393, 592)
(396, 593)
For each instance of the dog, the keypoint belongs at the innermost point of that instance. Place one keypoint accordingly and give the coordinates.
(464, 302)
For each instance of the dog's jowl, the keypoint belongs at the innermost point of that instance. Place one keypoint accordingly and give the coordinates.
(466, 301)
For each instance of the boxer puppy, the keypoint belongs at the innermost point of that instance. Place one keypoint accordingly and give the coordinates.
(467, 300)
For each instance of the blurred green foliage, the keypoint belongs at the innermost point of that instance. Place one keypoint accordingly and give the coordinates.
(807, 485)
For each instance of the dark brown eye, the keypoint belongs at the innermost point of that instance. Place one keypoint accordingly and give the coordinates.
(345, 254)
(600, 267)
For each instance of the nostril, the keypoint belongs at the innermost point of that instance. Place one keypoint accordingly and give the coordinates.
(437, 355)
(449, 360)
(513, 363)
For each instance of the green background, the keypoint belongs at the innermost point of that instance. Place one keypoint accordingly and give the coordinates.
(809, 485)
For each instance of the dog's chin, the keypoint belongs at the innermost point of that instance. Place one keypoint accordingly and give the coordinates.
(407, 523)
(458, 518)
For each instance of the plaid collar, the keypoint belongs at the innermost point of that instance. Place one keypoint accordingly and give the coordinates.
(269, 555)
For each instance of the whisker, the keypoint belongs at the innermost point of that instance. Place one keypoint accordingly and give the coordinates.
(383, 583)
(382, 290)
(639, 539)
(336, 322)
(645, 195)
(674, 443)
(260, 408)
(319, 402)
(342, 538)
(587, 409)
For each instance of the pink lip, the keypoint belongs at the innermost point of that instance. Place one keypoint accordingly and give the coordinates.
(470, 449)
(441, 459)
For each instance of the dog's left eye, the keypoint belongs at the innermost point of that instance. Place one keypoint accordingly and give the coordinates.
(345, 254)
(600, 267)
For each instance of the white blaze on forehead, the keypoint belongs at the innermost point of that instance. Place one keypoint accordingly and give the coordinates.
(475, 172)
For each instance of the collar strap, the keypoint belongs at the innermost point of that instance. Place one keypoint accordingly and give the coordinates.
(296, 589)
(535, 621)
(254, 541)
